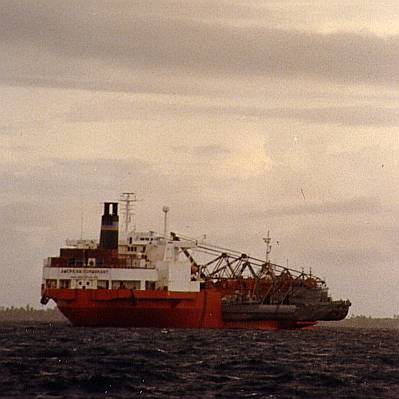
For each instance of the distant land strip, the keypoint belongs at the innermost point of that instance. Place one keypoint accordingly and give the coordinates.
(390, 323)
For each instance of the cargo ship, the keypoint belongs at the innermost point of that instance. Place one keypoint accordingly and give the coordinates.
(165, 280)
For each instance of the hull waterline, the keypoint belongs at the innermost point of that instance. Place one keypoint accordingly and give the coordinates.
(125, 308)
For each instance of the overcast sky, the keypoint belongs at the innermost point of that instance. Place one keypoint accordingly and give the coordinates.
(242, 116)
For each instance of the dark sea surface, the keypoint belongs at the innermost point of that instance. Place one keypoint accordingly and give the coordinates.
(59, 361)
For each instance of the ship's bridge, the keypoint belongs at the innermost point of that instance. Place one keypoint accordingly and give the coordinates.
(144, 261)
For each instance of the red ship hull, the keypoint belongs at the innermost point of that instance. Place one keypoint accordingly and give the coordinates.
(153, 309)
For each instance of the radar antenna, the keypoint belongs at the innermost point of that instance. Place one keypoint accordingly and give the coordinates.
(268, 240)
(128, 200)
(165, 210)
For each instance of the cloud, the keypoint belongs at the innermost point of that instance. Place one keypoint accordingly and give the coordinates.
(59, 43)
(57, 178)
(361, 115)
(355, 205)
(207, 151)
(211, 150)
(351, 115)
(24, 214)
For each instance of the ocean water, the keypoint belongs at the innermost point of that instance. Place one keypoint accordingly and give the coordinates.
(59, 361)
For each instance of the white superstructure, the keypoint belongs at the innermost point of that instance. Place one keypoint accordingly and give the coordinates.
(145, 261)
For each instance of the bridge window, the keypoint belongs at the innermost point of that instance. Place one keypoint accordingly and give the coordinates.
(65, 283)
(123, 284)
(71, 262)
(103, 284)
(51, 283)
(150, 285)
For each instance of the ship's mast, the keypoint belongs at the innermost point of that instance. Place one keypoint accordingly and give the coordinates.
(128, 200)
(268, 240)
(165, 210)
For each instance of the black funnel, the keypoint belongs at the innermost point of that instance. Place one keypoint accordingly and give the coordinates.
(109, 226)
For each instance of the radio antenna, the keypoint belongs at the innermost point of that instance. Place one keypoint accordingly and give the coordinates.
(267, 241)
(128, 200)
